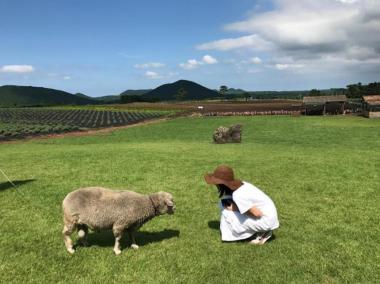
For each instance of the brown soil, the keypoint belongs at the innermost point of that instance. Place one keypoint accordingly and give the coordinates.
(208, 106)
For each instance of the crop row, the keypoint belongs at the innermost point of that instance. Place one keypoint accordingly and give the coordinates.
(11, 130)
(16, 123)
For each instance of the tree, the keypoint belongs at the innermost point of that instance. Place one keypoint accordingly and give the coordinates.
(181, 94)
(246, 96)
(125, 99)
(223, 91)
(315, 92)
(358, 90)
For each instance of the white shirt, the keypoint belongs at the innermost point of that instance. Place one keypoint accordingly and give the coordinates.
(248, 196)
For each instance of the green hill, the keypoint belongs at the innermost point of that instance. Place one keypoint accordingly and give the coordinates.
(115, 99)
(192, 91)
(135, 92)
(108, 99)
(232, 91)
(82, 95)
(18, 96)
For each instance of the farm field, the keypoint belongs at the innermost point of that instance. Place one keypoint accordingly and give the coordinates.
(25, 122)
(322, 173)
(218, 106)
(18, 123)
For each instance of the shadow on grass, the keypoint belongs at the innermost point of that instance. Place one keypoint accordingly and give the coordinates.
(214, 224)
(106, 238)
(7, 185)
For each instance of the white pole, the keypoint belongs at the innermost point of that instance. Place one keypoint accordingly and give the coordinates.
(7, 178)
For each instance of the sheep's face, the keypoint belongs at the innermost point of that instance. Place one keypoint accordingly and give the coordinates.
(165, 203)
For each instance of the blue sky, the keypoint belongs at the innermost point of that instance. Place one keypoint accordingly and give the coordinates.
(105, 47)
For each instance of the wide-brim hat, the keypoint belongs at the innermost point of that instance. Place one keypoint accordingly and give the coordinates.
(223, 175)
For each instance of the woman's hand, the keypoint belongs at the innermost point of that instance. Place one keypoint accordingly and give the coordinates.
(255, 212)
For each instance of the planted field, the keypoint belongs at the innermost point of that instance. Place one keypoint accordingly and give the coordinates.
(219, 106)
(19, 123)
(322, 173)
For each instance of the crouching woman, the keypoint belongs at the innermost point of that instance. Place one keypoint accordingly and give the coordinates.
(246, 211)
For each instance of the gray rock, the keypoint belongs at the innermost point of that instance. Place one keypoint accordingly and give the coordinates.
(230, 134)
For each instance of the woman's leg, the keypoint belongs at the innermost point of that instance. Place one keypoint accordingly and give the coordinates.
(232, 226)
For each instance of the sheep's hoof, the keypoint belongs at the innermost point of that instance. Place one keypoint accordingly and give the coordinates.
(117, 251)
(134, 246)
(71, 250)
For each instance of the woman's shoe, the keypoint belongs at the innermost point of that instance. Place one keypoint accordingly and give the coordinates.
(261, 238)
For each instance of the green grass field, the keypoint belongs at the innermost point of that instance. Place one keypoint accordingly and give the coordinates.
(322, 173)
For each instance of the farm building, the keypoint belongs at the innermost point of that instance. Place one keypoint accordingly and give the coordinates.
(324, 104)
(371, 106)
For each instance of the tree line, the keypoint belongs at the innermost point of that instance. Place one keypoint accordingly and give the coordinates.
(352, 91)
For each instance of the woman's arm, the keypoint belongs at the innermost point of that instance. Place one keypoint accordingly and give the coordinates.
(255, 212)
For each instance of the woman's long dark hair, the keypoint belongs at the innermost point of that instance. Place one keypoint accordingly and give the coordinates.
(223, 190)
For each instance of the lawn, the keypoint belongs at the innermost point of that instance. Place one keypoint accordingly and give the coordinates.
(321, 172)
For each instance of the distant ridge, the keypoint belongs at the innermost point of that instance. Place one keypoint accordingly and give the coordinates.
(168, 92)
(135, 92)
(108, 99)
(19, 96)
(232, 91)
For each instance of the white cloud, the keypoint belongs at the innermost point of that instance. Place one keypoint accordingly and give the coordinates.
(208, 59)
(250, 41)
(347, 1)
(288, 66)
(255, 60)
(247, 62)
(193, 63)
(149, 65)
(152, 75)
(310, 32)
(17, 69)
(190, 64)
(66, 78)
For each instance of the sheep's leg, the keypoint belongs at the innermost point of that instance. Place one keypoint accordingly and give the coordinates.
(68, 229)
(82, 234)
(131, 234)
(118, 233)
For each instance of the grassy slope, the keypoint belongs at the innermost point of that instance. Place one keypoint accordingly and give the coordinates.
(16, 96)
(194, 91)
(322, 172)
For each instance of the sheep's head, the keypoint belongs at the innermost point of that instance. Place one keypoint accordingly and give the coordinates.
(163, 202)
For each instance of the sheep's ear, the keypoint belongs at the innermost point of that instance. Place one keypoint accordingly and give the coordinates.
(169, 203)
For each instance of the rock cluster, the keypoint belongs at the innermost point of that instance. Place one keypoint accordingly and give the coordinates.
(230, 134)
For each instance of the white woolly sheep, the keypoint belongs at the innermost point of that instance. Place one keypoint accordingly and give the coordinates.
(99, 209)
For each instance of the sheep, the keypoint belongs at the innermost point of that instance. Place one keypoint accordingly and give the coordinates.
(100, 208)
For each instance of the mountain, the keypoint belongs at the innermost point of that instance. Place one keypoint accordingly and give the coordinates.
(105, 99)
(82, 95)
(135, 92)
(17, 96)
(192, 91)
(232, 91)
(108, 99)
